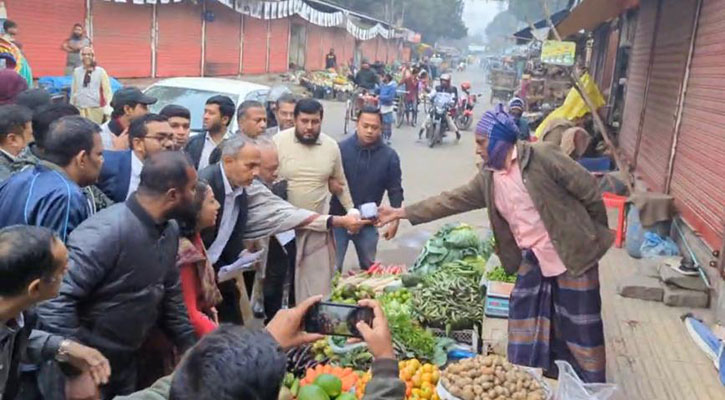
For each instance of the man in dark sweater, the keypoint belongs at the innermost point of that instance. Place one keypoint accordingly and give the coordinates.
(371, 168)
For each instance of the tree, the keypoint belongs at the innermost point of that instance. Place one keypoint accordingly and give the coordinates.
(533, 10)
(433, 19)
(504, 24)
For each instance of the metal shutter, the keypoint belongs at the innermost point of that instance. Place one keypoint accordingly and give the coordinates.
(122, 38)
(254, 55)
(637, 77)
(668, 69)
(223, 41)
(279, 31)
(699, 167)
(349, 53)
(369, 49)
(314, 56)
(178, 52)
(41, 33)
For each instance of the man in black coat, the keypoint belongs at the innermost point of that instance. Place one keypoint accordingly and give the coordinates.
(227, 179)
(122, 279)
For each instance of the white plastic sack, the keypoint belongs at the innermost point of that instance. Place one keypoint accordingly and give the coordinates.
(571, 386)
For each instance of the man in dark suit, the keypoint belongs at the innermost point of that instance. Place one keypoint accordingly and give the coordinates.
(121, 171)
(227, 179)
(218, 114)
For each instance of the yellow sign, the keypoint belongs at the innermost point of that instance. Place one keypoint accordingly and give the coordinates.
(558, 53)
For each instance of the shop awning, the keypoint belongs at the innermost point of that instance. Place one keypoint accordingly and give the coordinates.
(526, 35)
(590, 13)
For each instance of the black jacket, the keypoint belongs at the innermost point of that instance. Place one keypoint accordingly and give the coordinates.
(213, 175)
(367, 79)
(229, 309)
(122, 280)
(194, 148)
(370, 172)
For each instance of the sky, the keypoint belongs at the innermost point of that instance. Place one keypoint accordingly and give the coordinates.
(478, 13)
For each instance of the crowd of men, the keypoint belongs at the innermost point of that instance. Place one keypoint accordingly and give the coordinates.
(112, 237)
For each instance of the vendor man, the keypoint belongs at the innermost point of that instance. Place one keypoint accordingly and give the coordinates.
(550, 226)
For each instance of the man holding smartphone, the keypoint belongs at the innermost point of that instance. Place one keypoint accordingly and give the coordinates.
(234, 361)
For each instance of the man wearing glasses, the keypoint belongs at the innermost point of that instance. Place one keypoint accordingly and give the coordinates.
(121, 173)
(91, 88)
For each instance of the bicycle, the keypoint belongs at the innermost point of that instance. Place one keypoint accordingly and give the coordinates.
(357, 101)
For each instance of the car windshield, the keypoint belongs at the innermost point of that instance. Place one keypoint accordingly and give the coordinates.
(193, 99)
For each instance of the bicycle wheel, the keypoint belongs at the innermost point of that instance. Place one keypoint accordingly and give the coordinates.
(348, 113)
(400, 115)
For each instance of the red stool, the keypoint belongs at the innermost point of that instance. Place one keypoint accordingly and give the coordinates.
(612, 200)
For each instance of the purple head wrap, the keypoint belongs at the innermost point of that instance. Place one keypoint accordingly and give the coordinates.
(502, 132)
(11, 84)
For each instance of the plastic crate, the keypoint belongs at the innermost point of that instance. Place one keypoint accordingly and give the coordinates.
(467, 337)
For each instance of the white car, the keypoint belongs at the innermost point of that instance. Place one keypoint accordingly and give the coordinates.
(193, 93)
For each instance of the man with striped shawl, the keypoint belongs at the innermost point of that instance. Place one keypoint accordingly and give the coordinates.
(550, 226)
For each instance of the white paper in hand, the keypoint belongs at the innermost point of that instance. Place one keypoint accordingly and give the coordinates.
(245, 262)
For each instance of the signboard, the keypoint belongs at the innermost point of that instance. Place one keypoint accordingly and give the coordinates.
(558, 53)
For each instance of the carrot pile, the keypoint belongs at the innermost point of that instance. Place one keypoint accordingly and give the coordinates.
(346, 375)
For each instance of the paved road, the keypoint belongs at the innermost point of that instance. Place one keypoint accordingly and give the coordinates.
(425, 172)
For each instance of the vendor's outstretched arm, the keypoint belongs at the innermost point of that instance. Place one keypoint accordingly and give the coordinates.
(462, 199)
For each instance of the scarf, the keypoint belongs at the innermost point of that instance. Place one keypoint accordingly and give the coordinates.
(195, 254)
(502, 132)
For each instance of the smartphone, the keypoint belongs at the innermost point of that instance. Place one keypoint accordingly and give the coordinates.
(337, 319)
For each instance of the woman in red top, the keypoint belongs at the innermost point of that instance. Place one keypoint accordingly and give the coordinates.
(198, 280)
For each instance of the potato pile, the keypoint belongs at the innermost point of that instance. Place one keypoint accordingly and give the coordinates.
(490, 378)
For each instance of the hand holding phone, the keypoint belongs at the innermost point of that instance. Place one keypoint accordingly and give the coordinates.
(377, 335)
(337, 319)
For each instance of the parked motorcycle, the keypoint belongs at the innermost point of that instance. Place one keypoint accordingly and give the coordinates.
(443, 104)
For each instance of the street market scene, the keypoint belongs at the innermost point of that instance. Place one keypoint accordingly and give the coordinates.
(362, 200)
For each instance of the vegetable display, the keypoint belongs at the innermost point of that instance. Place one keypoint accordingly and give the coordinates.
(451, 243)
(420, 379)
(334, 380)
(410, 339)
(490, 378)
(498, 274)
(451, 297)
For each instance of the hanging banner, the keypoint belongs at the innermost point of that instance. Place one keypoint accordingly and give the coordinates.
(268, 10)
(558, 53)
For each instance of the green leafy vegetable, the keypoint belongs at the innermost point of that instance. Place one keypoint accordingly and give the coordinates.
(451, 243)
(498, 274)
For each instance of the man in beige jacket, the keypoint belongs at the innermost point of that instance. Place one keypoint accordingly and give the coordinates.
(309, 160)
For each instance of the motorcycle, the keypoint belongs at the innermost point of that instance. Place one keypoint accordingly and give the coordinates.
(464, 114)
(442, 105)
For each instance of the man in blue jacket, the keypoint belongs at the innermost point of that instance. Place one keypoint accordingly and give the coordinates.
(121, 173)
(50, 194)
(386, 97)
(371, 168)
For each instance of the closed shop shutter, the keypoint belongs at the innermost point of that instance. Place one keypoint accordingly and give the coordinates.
(697, 178)
(254, 55)
(370, 49)
(223, 41)
(314, 56)
(349, 52)
(668, 69)
(279, 45)
(178, 52)
(41, 33)
(298, 43)
(382, 50)
(637, 77)
(328, 42)
(122, 38)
